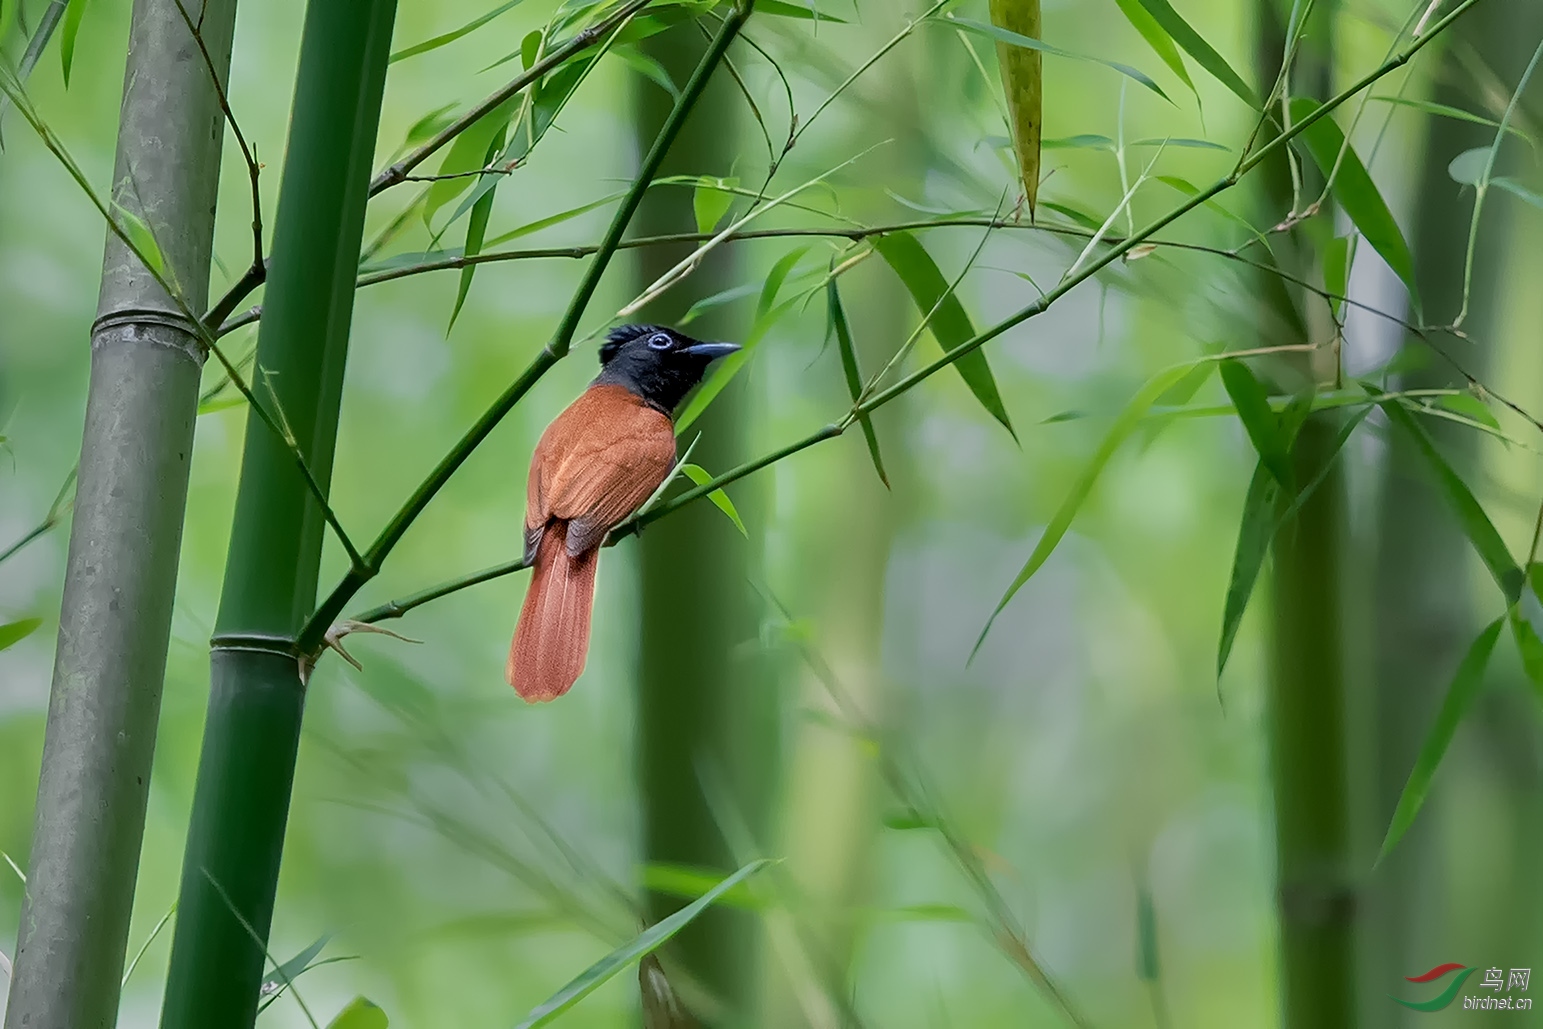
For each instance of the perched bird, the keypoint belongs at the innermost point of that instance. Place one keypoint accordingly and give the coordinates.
(596, 464)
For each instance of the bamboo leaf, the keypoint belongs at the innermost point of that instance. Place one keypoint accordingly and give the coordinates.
(689, 883)
(1030, 43)
(1148, 966)
(950, 324)
(553, 219)
(1161, 43)
(854, 377)
(12, 633)
(1355, 190)
(650, 940)
(718, 299)
(793, 10)
(466, 154)
(647, 67)
(776, 277)
(1336, 269)
(1259, 420)
(141, 239)
(710, 201)
(476, 229)
(74, 13)
(1055, 530)
(279, 979)
(1255, 530)
(1195, 45)
(1476, 524)
(1526, 617)
(699, 475)
(1517, 190)
(452, 36)
(1468, 167)
(1471, 407)
(1445, 111)
(1023, 85)
(1460, 696)
(361, 1013)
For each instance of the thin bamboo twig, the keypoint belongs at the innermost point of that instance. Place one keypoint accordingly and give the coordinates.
(557, 348)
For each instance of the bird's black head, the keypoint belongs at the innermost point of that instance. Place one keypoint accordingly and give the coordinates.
(657, 363)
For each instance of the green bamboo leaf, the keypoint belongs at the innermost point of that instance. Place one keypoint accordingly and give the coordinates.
(950, 324)
(452, 36)
(1460, 696)
(699, 475)
(1074, 214)
(1517, 190)
(1195, 45)
(1186, 142)
(650, 940)
(361, 1013)
(12, 633)
(426, 128)
(476, 229)
(466, 154)
(1189, 189)
(1526, 619)
(926, 913)
(1355, 190)
(553, 219)
(1128, 419)
(141, 239)
(1468, 167)
(647, 67)
(279, 979)
(854, 377)
(1255, 530)
(1476, 524)
(530, 48)
(689, 883)
(792, 10)
(1147, 965)
(1471, 407)
(718, 299)
(1445, 111)
(710, 201)
(1336, 269)
(1161, 43)
(1030, 43)
(776, 277)
(73, 14)
(1023, 86)
(1083, 141)
(1259, 420)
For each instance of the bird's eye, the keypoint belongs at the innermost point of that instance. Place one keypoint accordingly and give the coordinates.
(659, 341)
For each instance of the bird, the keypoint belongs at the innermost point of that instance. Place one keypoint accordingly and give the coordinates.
(594, 466)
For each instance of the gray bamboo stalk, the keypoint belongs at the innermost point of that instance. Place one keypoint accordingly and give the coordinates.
(122, 566)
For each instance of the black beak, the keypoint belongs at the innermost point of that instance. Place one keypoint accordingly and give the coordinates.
(711, 351)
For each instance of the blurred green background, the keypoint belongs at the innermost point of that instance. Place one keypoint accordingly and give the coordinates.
(472, 853)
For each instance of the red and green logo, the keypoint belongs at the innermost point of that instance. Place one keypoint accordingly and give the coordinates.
(1446, 996)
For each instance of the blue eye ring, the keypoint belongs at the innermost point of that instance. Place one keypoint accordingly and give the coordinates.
(660, 341)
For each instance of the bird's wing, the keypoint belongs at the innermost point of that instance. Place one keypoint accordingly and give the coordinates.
(597, 464)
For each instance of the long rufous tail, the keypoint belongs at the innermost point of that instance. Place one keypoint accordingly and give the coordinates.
(552, 637)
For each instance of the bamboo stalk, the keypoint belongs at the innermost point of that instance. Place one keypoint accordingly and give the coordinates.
(252, 732)
(121, 572)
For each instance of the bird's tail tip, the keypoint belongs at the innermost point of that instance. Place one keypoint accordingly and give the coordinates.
(551, 640)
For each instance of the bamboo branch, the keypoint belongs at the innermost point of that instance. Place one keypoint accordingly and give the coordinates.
(554, 351)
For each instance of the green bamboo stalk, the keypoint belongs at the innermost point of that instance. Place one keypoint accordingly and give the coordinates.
(699, 710)
(252, 732)
(121, 572)
(1306, 690)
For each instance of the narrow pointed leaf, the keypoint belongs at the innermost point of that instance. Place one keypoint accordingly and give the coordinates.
(807, 12)
(1460, 695)
(1336, 269)
(699, 475)
(710, 201)
(452, 36)
(1161, 43)
(553, 219)
(141, 239)
(1355, 191)
(12, 633)
(1195, 45)
(650, 940)
(476, 229)
(1446, 111)
(1255, 531)
(279, 979)
(361, 1013)
(1029, 42)
(1128, 419)
(776, 277)
(73, 14)
(647, 67)
(1259, 420)
(1517, 190)
(854, 375)
(466, 154)
(1480, 530)
(950, 324)
(1022, 84)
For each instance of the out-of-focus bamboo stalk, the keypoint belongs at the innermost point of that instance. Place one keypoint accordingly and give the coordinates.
(121, 573)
